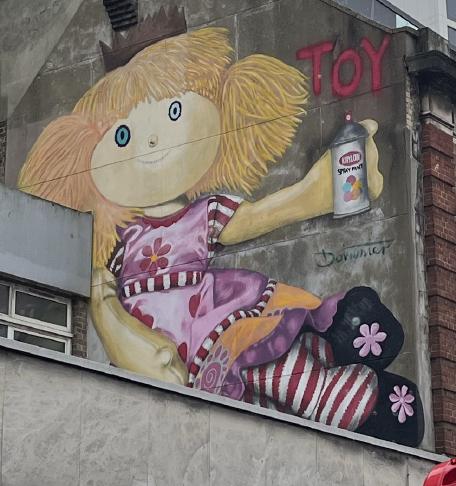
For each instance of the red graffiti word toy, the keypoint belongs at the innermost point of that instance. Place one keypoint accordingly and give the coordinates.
(317, 51)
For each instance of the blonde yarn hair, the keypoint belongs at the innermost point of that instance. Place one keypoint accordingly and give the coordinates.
(261, 100)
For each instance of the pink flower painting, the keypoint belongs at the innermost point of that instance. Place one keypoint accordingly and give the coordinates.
(155, 259)
(369, 339)
(401, 403)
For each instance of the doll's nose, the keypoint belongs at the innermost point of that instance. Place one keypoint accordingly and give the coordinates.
(152, 141)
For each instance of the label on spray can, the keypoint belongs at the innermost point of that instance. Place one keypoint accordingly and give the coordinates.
(350, 191)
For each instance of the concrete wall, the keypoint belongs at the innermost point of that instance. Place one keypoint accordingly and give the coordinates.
(45, 243)
(314, 254)
(71, 423)
(24, 55)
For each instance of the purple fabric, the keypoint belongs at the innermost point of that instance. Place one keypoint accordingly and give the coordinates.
(279, 341)
(320, 319)
(154, 247)
(187, 314)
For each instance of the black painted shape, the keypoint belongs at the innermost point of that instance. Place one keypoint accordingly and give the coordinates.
(384, 424)
(361, 305)
(122, 13)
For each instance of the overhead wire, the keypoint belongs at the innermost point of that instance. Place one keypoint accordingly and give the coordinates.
(168, 148)
(220, 134)
(224, 254)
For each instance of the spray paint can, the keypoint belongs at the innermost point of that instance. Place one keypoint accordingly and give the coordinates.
(348, 151)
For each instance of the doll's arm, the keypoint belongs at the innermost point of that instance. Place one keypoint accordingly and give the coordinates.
(128, 343)
(309, 198)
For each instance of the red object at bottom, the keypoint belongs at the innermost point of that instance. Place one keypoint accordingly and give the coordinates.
(443, 474)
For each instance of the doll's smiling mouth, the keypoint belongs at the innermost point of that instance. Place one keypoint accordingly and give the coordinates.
(154, 161)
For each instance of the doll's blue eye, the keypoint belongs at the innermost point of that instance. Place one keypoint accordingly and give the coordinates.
(122, 136)
(175, 110)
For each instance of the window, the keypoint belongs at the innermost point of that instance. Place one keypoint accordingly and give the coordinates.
(401, 22)
(451, 9)
(37, 340)
(379, 11)
(4, 298)
(452, 36)
(40, 309)
(34, 317)
(384, 15)
(364, 7)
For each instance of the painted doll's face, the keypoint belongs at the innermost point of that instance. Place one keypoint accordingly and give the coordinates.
(159, 152)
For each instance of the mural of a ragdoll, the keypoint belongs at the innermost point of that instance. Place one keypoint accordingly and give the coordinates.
(161, 149)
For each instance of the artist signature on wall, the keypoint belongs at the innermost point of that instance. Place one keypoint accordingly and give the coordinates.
(326, 258)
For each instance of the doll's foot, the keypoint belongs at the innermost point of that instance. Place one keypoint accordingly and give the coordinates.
(398, 414)
(364, 330)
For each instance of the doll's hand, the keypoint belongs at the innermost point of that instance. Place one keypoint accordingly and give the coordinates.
(374, 177)
(164, 362)
(128, 342)
(306, 199)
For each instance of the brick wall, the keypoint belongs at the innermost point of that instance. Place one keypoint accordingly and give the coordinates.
(2, 150)
(440, 210)
(79, 323)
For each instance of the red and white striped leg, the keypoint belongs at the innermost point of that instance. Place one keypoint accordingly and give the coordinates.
(293, 383)
(299, 383)
(348, 398)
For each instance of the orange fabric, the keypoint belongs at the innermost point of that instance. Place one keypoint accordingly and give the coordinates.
(289, 297)
(245, 332)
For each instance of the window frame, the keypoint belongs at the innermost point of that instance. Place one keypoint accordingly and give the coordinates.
(60, 339)
(451, 26)
(28, 325)
(451, 20)
(37, 322)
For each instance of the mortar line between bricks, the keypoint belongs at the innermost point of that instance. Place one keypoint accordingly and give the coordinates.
(438, 207)
(439, 177)
(424, 150)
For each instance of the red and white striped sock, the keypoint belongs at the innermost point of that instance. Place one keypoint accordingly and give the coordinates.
(293, 382)
(300, 383)
(348, 398)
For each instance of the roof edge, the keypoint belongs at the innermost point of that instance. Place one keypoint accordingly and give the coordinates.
(431, 62)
